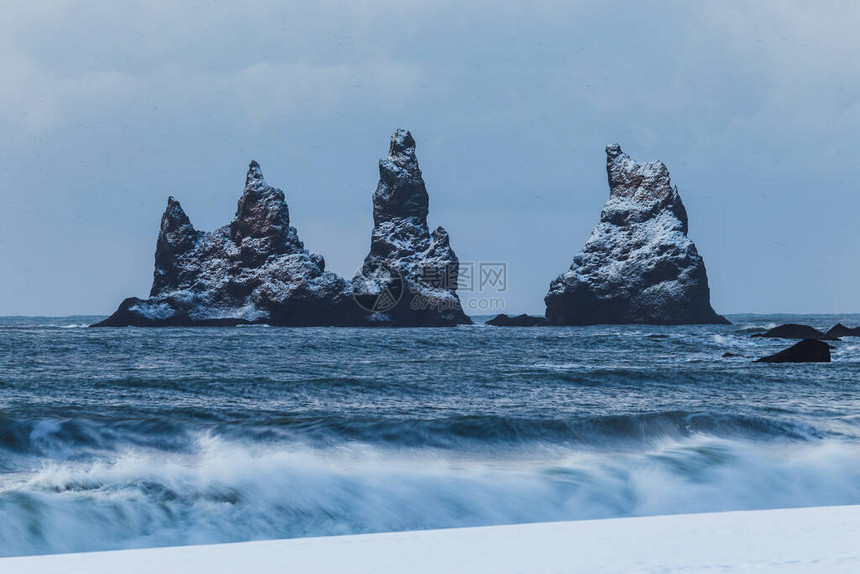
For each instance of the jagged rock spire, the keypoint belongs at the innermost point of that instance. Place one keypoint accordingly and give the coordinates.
(643, 182)
(262, 222)
(255, 269)
(176, 236)
(402, 248)
(648, 185)
(402, 150)
(254, 177)
(638, 265)
(401, 191)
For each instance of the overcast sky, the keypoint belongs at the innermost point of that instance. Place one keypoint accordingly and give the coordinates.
(106, 109)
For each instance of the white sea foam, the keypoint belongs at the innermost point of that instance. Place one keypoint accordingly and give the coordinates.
(230, 492)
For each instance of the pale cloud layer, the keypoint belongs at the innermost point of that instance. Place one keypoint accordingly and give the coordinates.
(108, 109)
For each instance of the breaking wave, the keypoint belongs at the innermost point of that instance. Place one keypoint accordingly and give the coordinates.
(115, 439)
(224, 491)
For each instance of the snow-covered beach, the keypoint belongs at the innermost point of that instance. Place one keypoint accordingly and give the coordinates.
(808, 540)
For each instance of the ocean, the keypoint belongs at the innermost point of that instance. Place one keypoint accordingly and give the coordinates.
(127, 438)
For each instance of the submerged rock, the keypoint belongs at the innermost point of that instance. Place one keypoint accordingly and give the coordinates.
(840, 330)
(518, 321)
(795, 331)
(638, 265)
(410, 276)
(806, 351)
(256, 270)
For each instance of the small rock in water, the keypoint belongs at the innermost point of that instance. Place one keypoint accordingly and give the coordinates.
(840, 330)
(806, 351)
(518, 321)
(730, 355)
(795, 331)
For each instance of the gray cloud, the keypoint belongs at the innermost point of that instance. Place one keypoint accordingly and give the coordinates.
(107, 110)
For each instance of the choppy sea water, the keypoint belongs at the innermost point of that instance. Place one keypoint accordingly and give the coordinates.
(121, 438)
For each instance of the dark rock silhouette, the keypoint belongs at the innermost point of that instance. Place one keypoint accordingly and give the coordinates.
(795, 331)
(256, 270)
(638, 266)
(517, 321)
(840, 330)
(730, 355)
(410, 274)
(806, 351)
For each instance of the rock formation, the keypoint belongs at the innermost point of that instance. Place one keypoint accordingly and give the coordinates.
(409, 278)
(806, 351)
(517, 321)
(840, 330)
(795, 331)
(255, 270)
(638, 265)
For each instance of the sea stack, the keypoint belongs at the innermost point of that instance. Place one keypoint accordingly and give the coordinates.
(254, 270)
(409, 278)
(638, 265)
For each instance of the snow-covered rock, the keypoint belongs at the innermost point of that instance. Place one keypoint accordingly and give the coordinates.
(254, 270)
(410, 275)
(638, 265)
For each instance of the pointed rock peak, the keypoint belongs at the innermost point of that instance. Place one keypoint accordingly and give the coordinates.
(440, 237)
(174, 216)
(260, 200)
(639, 181)
(175, 238)
(402, 143)
(637, 266)
(401, 192)
(402, 150)
(255, 175)
(262, 212)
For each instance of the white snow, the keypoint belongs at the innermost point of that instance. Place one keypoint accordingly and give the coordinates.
(803, 540)
(153, 309)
